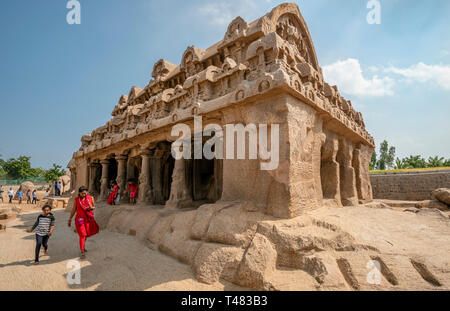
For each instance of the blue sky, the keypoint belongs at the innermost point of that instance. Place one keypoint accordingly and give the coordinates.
(60, 81)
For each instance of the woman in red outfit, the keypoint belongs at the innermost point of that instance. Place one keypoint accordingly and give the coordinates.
(114, 193)
(83, 207)
(133, 189)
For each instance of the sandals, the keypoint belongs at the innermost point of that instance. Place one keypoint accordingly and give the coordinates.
(83, 256)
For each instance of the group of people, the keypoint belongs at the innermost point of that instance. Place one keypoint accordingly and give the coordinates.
(31, 196)
(58, 187)
(114, 192)
(85, 224)
(83, 210)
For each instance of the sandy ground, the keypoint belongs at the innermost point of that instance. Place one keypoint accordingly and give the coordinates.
(121, 262)
(114, 262)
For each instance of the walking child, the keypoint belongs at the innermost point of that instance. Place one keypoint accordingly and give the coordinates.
(44, 225)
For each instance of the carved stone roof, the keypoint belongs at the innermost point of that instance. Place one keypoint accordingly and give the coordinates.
(274, 51)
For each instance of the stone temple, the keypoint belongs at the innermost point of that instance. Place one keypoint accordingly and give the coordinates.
(308, 224)
(263, 72)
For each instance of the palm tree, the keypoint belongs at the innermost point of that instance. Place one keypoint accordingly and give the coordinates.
(399, 164)
(435, 162)
(415, 162)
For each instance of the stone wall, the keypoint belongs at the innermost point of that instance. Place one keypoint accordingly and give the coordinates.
(410, 187)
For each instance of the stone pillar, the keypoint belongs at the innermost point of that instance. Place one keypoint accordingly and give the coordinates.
(156, 177)
(329, 171)
(361, 161)
(130, 170)
(129, 175)
(72, 180)
(92, 174)
(218, 179)
(145, 191)
(349, 194)
(122, 174)
(86, 169)
(105, 180)
(180, 196)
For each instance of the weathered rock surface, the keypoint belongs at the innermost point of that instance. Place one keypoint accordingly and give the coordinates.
(326, 249)
(176, 240)
(9, 213)
(215, 261)
(4, 216)
(412, 210)
(432, 204)
(258, 263)
(233, 225)
(442, 195)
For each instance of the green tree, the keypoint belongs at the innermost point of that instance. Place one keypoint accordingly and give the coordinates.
(435, 162)
(2, 170)
(52, 175)
(20, 168)
(399, 164)
(415, 162)
(447, 163)
(373, 161)
(387, 156)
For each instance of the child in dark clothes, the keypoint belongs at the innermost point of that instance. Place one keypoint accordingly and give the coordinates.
(44, 225)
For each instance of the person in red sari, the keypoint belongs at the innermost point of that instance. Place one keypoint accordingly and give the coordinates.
(114, 193)
(84, 207)
(133, 189)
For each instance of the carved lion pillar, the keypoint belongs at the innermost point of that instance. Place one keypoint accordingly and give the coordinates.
(145, 191)
(122, 173)
(105, 181)
(180, 196)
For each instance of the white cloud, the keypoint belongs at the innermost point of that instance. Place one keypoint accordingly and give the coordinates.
(218, 13)
(438, 74)
(348, 76)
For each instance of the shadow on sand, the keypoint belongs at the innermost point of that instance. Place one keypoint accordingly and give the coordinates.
(114, 261)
